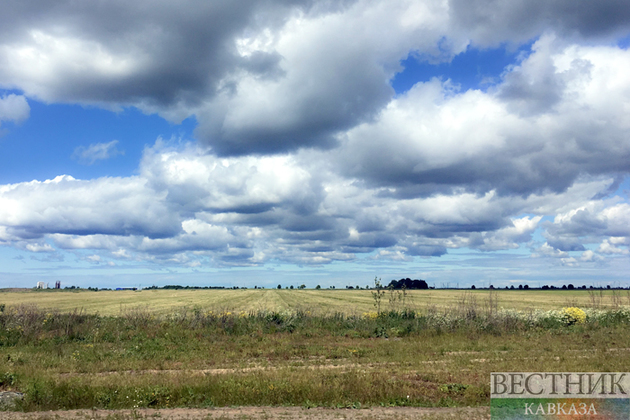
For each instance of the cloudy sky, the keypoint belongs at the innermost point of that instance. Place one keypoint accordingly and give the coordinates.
(258, 142)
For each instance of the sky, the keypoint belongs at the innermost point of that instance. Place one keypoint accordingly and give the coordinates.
(256, 142)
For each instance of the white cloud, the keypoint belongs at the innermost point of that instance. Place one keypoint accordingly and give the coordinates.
(39, 247)
(268, 77)
(590, 256)
(14, 108)
(204, 182)
(515, 138)
(569, 262)
(606, 247)
(355, 53)
(186, 207)
(107, 206)
(396, 255)
(509, 237)
(592, 222)
(546, 250)
(43, 61)
(96, 151)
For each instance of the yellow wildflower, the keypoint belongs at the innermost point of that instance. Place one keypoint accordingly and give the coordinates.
(573, 315)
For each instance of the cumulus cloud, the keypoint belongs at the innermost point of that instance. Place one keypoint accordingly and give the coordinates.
(355, 53)
(109, 206)
(122, 53)
(590, 256)
(569, 262)
(186, 207)
(519, 138)
(14, 108)
(266, 77)
(96, 151)
(609, 247)
(510, 237)
(39, 247)
(595, 222)
(547, 250)
(497, 21)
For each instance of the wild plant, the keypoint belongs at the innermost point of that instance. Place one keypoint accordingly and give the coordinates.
(571, 302)
(395, 298)
(404, 296)
(615, 299)
(595, 298)
(467, 306)
(378, 294)
(491, 303)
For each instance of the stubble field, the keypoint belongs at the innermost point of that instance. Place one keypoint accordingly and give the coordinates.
(325, 300)
(293, 353)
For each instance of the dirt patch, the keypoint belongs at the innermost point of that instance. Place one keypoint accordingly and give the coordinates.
(8, 399)
(261, 413)
(225, 371)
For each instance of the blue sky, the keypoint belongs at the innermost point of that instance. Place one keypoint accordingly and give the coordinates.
(286, 144)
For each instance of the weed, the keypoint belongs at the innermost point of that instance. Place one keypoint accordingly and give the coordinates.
(378, 294)
(595, 298)
(615, 299)
(453, 388)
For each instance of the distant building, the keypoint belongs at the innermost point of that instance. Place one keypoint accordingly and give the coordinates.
(42, 285)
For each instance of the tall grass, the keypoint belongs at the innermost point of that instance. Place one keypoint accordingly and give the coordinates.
(28, 325)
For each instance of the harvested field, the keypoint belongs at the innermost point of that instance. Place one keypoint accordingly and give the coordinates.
(322, 301)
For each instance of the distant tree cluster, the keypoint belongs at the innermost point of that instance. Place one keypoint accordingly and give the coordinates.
(547, 287)
(565, 287)
(408, 284)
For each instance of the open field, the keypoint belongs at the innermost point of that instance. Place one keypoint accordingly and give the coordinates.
(322, 301)
(299, 350)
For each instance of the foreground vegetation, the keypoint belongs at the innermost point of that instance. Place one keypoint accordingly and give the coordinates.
(433, 356)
